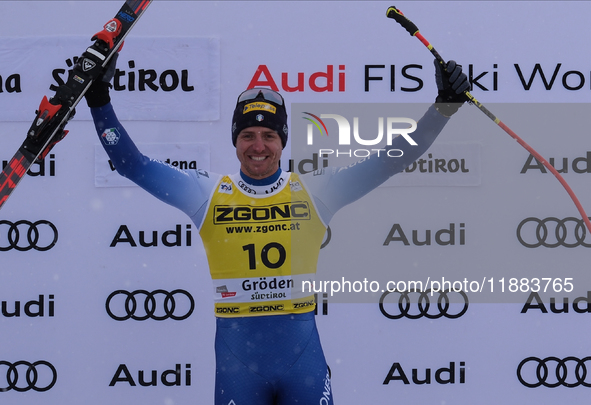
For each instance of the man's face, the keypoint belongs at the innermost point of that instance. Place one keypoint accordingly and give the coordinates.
(259, 151)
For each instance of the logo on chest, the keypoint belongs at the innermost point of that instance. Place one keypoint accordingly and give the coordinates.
(224, 214)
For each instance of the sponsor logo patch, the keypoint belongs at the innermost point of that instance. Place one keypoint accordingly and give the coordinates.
(259, 106)
(111, 136)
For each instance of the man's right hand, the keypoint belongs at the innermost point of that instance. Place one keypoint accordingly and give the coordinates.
(98, 93)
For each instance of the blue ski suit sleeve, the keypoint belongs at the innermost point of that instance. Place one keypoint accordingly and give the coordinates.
(185, 190)
(332, 188)
(335, 187)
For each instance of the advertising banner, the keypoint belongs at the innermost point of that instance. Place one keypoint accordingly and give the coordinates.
(441, 276)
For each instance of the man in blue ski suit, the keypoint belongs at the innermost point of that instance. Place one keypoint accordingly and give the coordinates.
(267, 347)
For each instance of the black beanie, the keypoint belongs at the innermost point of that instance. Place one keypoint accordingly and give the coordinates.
(260, 111)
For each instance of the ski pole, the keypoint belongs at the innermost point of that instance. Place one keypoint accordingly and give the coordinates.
(412, 29)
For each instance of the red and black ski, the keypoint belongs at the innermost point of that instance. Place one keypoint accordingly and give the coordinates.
(54, 113)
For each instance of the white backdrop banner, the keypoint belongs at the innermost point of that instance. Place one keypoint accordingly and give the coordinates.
(178, 78)
(105, 293)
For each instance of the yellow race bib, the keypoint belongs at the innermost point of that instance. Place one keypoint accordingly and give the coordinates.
(261, 248)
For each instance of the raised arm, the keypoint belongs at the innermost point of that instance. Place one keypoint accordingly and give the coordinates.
(335, 187)
(186, 190)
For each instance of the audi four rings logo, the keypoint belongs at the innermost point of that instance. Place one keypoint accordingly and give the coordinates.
(552, 372)
(26, 235)
(552, 232)
(158, 305)
(39, 376)
(444, 305)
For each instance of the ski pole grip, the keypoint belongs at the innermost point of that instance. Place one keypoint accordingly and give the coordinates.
(407, 24)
